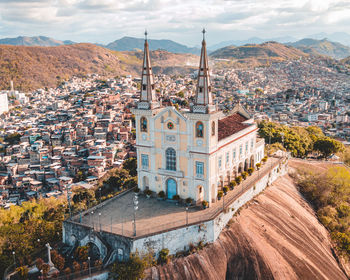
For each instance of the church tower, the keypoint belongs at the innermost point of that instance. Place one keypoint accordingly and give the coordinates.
(147, 95)
(203, 99)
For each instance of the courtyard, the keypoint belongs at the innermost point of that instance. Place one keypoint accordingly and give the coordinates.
(153, 216)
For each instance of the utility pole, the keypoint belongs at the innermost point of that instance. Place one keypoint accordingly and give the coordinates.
(186, 216)
(136, 202)
(69, 204)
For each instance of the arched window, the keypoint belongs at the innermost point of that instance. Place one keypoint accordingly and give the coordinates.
(143, 124)
(170, 154)
(213, 128)
(199, 129)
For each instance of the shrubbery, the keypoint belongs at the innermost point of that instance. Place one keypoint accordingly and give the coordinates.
(299, 141)
(329, 193)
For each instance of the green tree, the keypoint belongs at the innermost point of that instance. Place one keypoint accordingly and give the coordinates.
(79, 176)
(130, 165)
(328, 146)
(132, 269)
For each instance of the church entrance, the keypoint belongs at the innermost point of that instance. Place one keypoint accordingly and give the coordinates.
(171, 188)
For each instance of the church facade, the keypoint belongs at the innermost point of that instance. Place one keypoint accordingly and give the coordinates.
(191, 153)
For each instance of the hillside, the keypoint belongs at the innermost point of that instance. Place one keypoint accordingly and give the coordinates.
(35, 67)
(277, 236)
(131, 44)
(255, 55)
(323, 47)
(34, 41)
(346, 61)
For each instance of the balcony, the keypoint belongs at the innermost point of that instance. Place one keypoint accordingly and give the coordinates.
(165, 172)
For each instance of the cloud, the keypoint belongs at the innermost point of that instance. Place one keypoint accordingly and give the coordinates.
(181, 20)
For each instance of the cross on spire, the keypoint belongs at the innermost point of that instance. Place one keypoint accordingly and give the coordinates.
(147, 94)
(203, 96)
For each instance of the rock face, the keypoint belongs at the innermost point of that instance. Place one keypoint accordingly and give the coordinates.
(277, 236)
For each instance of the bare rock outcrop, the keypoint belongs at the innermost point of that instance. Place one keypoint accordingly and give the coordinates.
(276, 236)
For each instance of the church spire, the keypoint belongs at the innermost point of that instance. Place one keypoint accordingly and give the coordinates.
(147, 95)
(203, 99)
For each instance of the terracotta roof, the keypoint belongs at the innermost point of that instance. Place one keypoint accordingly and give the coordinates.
(231, 125)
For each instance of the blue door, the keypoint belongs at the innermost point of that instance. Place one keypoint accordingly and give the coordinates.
(171, 188)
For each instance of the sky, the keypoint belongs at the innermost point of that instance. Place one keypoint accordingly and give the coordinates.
(103, 21)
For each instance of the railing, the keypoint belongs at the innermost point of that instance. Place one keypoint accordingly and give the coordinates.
(126, 228)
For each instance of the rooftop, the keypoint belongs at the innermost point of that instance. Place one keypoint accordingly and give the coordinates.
(231, 125)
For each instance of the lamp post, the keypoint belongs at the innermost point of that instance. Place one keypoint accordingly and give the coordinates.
(89, 267)
(92, 219)
(186, 216)
(14, 258)
(68, 198)
(136, 202)
(99, 220)
(100, 194)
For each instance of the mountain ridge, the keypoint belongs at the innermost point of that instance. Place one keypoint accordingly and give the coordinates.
(131, 43)
(42, 41)
(257, 54)
(323, 47)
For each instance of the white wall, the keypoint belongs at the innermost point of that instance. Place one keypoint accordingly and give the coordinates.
(176, 240)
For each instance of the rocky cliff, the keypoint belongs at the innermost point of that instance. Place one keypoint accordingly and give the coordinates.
(276, 236)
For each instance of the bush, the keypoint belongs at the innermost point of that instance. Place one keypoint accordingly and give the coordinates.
(136, 190)
(205, 203)
(147, 192)
(132, 269)
(250, 170)
(264, 159)
(163, 256)
(225, 189)
(176, 197)
(161, 194)
(220, 194)
(188, 200)
(258, 165)
(244, 175)
(232, 184)
(238, 179)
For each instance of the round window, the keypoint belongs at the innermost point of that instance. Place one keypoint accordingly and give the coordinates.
(170, 125)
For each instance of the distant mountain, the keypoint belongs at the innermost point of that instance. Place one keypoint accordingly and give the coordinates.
(257, 54)
(131, 44)
(252, 40)
(323, 47)
(34, 41)
(340, 37)
(37, 67)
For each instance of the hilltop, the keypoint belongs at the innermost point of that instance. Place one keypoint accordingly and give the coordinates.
(131, 44)
(276, 236)
(256, 55)
(323, 47)
(34, 41)
(36, 67)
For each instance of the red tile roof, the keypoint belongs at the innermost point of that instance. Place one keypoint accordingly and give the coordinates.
(231, 125)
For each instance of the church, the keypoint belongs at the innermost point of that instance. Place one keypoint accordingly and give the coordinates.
(191, 153)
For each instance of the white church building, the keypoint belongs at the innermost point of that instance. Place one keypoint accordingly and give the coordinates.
(192, 152)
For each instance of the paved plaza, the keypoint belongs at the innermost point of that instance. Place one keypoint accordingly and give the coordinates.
(155, 215)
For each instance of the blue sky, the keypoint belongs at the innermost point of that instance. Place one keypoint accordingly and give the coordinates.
(104, 21)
